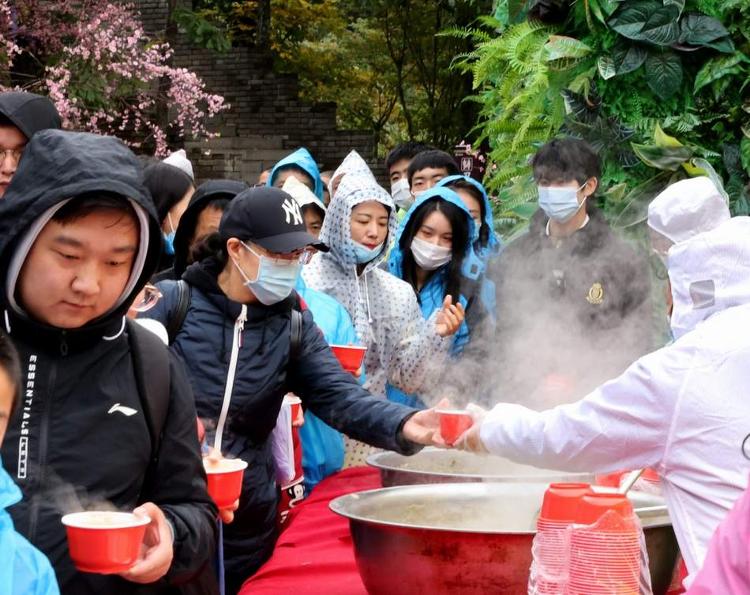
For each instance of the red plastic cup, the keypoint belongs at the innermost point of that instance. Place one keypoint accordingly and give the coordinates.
(104, 542)
(561, 501)
(296, 404)
(224, 480)
(593, 506)
(453, 423)
(350, 356)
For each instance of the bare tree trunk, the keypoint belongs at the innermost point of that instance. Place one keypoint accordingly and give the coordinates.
(263, 37)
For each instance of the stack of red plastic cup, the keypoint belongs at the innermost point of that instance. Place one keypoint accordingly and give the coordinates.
(559, 510)
(605, 557)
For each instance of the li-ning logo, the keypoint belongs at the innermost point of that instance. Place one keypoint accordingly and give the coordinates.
(291, 210)
(126, 411)
(28, 400)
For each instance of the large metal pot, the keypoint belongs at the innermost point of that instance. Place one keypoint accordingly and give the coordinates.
(436, 465)
(468, 539)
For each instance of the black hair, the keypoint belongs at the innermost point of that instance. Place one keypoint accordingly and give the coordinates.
(219, 204)
(484, 230)
(167, 185)
(460, 228)
(564, 160)
(434, 158)
(9, 362)
(211, 246)
(5, 121)
(83, 205)
(317, 207)
(297, 170)
(407, 150)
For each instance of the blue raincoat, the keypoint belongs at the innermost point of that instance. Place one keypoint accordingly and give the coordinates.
(304, 160)
(322, 446)
(432, 294)
(486, 252)
(24, 570)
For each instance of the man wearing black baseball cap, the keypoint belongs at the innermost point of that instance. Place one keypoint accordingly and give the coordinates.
(247, 340)
(21, 115)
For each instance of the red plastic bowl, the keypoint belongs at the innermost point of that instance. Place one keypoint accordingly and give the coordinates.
(562, 500)
(453, 423)
(225, 481)
(350, 356)
(104, 542)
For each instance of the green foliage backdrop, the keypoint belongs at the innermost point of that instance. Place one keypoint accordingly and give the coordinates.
(659, 87)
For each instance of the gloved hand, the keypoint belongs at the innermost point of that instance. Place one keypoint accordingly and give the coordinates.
(470, 439)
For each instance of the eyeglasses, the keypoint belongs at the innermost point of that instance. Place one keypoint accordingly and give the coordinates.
(151, 295)
(303, 256)
(15, 154)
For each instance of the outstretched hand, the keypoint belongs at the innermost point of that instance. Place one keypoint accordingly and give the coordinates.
(449, 318)
(424, 426)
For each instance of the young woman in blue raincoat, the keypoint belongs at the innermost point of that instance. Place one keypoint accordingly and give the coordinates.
(434, 253)
(488, 245)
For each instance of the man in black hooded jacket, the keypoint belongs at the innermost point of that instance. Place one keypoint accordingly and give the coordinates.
(79, 238)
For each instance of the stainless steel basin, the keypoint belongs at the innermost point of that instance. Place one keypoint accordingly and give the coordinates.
(434, 465)
(468, 538)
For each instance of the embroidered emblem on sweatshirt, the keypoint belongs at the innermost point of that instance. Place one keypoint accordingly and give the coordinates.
(596, 294)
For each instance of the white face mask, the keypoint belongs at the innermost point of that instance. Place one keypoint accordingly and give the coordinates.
(428, 256)
(401, 194)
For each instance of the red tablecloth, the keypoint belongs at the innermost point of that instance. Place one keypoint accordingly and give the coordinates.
(314, 554)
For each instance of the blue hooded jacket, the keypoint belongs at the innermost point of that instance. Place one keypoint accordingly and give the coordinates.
(432, 294)
(24, 570)
(304, 160)
(322, 446)
(487, 252)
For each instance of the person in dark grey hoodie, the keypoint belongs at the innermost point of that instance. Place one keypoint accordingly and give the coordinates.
(79, 238)
(21, 116)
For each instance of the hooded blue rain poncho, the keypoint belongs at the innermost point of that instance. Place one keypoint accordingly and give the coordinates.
(304, 160)
(484, 250)
(432, 294)
(24, 570)
(322, 446)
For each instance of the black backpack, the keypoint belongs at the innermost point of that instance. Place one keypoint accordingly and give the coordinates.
(174, 324)
(152, 377)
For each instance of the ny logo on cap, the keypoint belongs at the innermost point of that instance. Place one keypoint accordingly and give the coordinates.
(291, 209)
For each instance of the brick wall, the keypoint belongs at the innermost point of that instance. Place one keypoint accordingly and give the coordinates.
(266, 121)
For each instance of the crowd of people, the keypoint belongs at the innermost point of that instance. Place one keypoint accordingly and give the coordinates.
(151, 319)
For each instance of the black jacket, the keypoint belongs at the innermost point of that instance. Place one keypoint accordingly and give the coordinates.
(577, 308)
(64, 445)
(205, 193)
(265, 373)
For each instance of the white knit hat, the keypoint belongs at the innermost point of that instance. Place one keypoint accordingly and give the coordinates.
(179, 160)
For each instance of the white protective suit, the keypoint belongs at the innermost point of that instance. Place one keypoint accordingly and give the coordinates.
(683, 410)
(402, 347)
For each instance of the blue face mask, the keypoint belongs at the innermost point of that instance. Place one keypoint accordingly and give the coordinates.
(365, 254)
(560, 204)
(169, 237)
(169, 242)
(275, 281)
